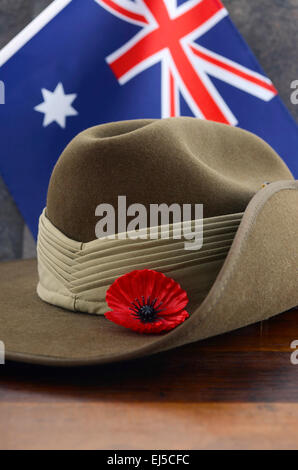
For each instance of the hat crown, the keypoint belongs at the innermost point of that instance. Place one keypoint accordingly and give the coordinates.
(176, 160)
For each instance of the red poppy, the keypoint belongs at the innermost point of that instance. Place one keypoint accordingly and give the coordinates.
(146, 301)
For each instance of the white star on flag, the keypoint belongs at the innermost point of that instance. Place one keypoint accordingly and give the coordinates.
(56, 106)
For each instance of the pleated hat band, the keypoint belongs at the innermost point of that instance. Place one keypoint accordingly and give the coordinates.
(76, 275)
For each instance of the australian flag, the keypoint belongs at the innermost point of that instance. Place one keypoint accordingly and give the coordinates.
(85, 62)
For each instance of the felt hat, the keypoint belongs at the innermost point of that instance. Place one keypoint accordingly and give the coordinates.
(52, 310)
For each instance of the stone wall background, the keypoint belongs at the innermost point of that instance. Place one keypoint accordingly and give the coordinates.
(270, 27)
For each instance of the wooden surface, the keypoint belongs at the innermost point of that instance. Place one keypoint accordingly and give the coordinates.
(237, 391)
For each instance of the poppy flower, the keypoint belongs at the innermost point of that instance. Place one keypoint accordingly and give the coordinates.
(146, 301)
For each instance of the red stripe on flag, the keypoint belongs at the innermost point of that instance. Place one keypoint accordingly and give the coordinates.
(234, 70)
(172, 96)
(142, 50)
(123, 11)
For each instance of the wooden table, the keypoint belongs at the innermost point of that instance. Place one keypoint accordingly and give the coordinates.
(237, 391)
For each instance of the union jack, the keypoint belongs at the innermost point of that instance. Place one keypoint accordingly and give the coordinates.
(168, 35)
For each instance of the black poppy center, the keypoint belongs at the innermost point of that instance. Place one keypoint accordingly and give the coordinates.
(146, 310)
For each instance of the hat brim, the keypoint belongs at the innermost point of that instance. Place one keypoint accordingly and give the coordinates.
(257, 281)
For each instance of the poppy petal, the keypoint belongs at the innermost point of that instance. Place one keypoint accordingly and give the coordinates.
(146, 301)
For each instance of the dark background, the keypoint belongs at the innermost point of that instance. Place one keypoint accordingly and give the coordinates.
(270, 27)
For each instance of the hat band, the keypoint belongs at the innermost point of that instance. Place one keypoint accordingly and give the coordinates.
(76, 275)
